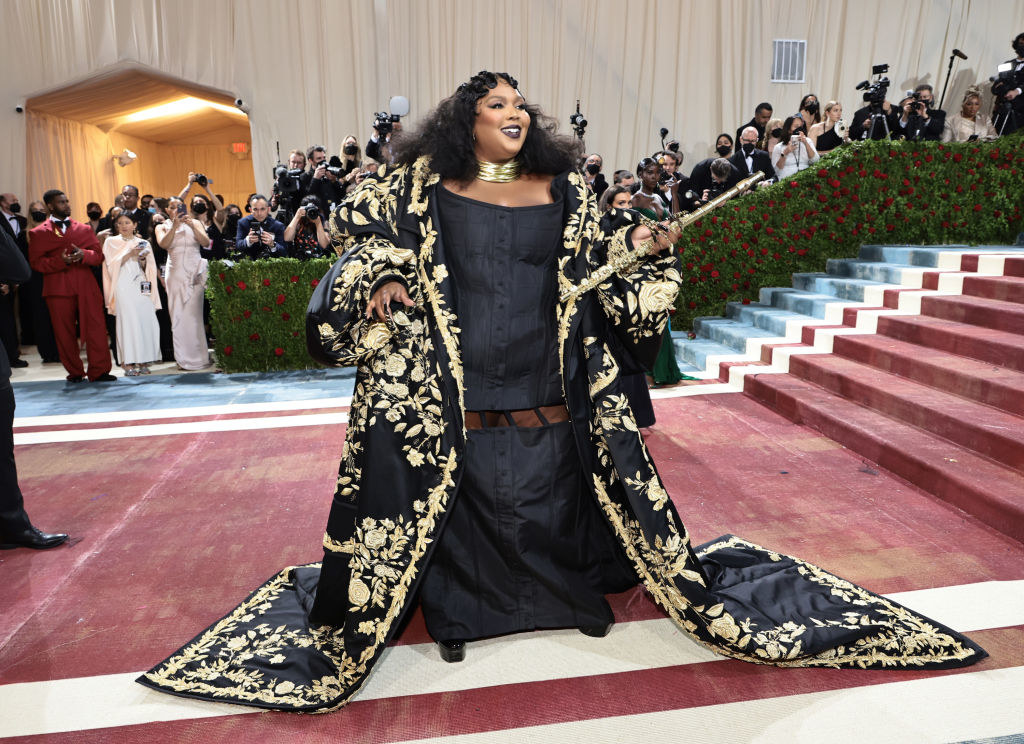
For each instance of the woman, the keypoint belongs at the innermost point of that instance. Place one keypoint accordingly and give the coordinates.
(810, 109)
(129, 290)
(831, 132)
(112, 216)
(772, 136)
(969, 124)
(649, 197)
(481, 261)
(95, 213)
(185, 278)
(724, 145)
(306, 237)
(352, 159)
(794, 152)
(615, 197)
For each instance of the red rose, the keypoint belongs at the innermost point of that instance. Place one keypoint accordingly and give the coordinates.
(714, 273)
(285, 316)
(295, 333)
(279, 351)
(254, 337)
(247, 313)
(977, 207)
(691, 304)
(746, 301)
(314, 282)
(957, 157)
(228, 350)
(221, 276)
(890, 228)
(823, 172)
(793, 184)
(280, 299)
(229, 290)
(295, 279)
(240, 285)
(266, 282)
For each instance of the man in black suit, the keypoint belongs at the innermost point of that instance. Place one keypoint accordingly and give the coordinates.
(14, 226)
(259, 235)
(1009, 92)
(762, 115)
(133, 210)
(712, 176)
(16, 531)
(748, 159)
(919, 120)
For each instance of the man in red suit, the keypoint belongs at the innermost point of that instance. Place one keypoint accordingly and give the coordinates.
(61, 249)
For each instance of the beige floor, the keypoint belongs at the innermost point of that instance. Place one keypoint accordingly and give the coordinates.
(37, 371)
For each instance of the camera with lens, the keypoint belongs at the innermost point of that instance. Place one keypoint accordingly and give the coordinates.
(202, 180)
(578, 121)
(312, 212)
(715, 189)
(286, 180)
(384, 122)
(917, 106)
(1004, 80)
(875, 90)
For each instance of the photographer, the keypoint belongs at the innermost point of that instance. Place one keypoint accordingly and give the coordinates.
(207, 209)
(706, 185)
(326, 177)
(1008, 88)
(259, 235)
(290, 185)
(305, 234)
(795, 152)
(919, 120)
(593, 175)
(379, 146)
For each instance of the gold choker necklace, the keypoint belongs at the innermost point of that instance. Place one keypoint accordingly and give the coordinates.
(498, 173)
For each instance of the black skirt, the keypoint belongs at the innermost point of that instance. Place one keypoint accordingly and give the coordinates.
(525, 545)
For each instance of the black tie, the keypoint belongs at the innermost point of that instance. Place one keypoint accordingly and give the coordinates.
(64, 224)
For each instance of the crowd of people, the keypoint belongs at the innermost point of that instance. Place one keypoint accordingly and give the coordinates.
(148, 254)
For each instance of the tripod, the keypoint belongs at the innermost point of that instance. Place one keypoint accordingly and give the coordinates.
(878, 117)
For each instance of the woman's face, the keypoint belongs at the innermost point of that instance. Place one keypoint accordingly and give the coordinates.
(807, 101)
(501, 124)
(971, 107)
(649, 177)
(723, 142)
(835, 113)
(797, 127)
(172, 208)
(621, 200)
(123, 225)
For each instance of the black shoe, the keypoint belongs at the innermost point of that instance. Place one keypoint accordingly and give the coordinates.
(76, 378)
(19, 363)
(31, 537)
(452, 651)
(596, 631)
(105, 378)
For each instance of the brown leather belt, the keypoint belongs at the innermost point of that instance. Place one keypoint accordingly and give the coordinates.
(526, 418)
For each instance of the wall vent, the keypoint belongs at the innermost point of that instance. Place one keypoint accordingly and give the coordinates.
(789, 58)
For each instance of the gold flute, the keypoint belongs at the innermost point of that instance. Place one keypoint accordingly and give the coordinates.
(679, 220)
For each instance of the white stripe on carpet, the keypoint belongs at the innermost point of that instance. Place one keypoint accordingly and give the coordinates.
(187, 427)
(109, 417)
(115, 700)
(955, 707)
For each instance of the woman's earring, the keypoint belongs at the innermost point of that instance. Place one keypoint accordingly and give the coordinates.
(474, 136)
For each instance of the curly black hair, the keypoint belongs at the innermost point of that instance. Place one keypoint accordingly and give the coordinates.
(446, 135)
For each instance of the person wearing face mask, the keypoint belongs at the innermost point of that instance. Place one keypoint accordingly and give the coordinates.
(810, 109)
(95, 213)
(795, 152)
(212, 211)
(232, 214)
(592, 174)
(970, 124)
(63, 250)
(919, 120)
(351, 159)
(36, 328)
(14, 226)
(748, 159)
(724, 144)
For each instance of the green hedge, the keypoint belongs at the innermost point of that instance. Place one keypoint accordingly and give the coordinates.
(872, 192)
(258, 312)
(867, 192)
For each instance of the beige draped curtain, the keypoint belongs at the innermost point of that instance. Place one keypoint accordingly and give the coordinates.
(313, 71)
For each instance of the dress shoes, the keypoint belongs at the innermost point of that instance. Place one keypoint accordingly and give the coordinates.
(596, 631)
(105, 378)
(31, 537)
(76, 378)
(452, 651)
(18, 363)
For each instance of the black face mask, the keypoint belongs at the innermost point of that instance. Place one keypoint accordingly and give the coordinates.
(94, 215)
(723, 150)
(811, 107)
(38, 216)
(775, 133)
(199, 207)
(15, 208)
(748, 147)
(350, 149)
(593, 169)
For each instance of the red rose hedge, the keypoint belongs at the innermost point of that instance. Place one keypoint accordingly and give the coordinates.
(913, 193)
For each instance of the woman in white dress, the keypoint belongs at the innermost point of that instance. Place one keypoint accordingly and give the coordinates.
(795, 152)
(129, 290)
(970, 123)
(185, 280)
